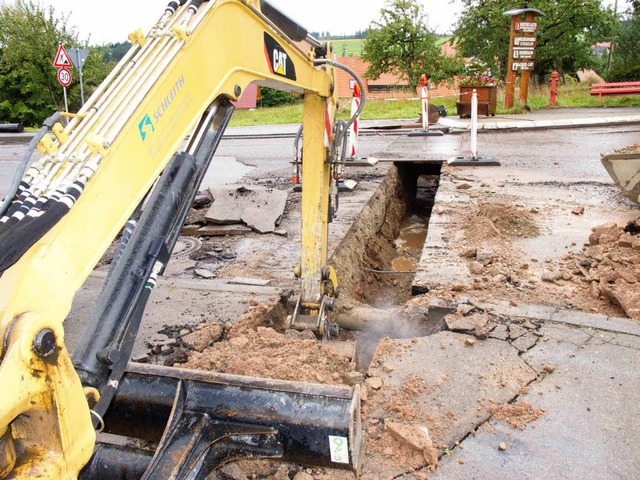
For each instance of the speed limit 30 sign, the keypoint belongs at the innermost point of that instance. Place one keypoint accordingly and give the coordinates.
(64, 77)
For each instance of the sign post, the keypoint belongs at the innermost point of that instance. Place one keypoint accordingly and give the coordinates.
(522, 52)
(78, 58)
(63, 61)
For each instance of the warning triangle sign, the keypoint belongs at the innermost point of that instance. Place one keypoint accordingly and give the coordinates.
(62, 58)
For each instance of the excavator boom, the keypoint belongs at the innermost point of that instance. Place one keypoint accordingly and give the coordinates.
(123, 160)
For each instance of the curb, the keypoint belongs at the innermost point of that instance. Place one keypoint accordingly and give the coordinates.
(542, 124)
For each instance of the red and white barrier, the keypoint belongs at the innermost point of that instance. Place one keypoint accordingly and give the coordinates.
(355, 126)
(425, 102)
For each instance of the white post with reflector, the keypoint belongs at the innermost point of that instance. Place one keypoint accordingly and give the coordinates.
(355, 126)
(474, 124)
(474, 160)
(425, 102)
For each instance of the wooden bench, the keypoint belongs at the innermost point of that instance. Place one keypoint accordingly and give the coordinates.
(620, 88)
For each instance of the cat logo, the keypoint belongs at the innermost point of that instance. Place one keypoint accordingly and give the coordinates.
(279, 61)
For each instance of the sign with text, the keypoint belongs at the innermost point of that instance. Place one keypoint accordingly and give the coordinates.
(527, 27)
(523, 66)
(524, 42)
(64, 77)
(524, 53)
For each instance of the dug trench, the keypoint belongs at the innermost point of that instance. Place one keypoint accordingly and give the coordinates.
(414, 361)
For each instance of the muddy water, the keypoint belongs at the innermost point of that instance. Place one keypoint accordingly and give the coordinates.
(413, 233)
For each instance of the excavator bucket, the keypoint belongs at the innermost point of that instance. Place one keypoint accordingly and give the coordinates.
(624, 169)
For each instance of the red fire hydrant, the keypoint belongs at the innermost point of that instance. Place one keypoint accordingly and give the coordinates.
(554, 88)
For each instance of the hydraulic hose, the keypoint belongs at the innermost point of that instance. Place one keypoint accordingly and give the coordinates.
(47, 125)
(342, 126)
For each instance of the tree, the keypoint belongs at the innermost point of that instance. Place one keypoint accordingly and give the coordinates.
(626, 66)
(565, 34)
(400, 43)
(29, 38)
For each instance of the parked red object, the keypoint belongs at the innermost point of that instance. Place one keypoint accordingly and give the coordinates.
(554, 88)
(620, 88)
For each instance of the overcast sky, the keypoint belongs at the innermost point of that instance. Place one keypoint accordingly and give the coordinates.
(112, 20)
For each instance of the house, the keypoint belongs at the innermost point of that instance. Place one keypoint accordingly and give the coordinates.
(387, 87)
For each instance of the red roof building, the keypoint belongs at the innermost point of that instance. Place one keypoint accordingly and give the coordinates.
(387, 87)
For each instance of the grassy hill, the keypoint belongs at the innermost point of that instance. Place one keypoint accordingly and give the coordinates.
(348, 48)
(353, 47)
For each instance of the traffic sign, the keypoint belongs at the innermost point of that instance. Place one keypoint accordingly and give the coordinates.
(64, 77)
(62, 58)
(78, 56)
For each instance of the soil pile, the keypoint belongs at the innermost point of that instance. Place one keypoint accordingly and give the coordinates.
(518, 415)
(496, 219)
(258, 351)
(610, 263)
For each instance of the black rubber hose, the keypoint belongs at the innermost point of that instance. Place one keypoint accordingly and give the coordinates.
(47, 125)
(23, 236)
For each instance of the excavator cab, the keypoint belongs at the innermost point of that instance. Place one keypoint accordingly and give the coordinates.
(122, 165)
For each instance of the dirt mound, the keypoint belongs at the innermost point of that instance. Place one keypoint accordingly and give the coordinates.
(500, 219)
(518, 415)
(611, 264)
(259, 351)
(630, 149)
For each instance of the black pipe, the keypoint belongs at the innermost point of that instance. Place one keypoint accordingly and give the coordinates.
(11, 128)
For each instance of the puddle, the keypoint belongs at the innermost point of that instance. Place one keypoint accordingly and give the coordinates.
(403, 265)
(225, 170)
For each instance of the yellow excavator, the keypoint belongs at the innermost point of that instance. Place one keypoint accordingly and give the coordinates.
(122, 166)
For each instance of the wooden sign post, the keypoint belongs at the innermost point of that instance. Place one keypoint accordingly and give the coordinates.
(522, 51)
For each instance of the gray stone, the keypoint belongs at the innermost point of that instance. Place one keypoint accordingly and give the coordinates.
(202, 273)
(484, 255)
(516, 331)
(501, 332)
(166, 350)
(259, 207)
(551, 276)
(525, 342)
(470, 323)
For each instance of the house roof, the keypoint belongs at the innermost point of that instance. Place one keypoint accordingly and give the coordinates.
(359, 66)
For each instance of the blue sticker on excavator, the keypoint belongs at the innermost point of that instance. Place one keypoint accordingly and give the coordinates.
(143, 127)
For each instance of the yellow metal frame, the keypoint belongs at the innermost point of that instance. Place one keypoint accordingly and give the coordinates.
(44, 413)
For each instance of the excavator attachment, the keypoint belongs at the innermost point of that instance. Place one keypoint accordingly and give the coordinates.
(624, 169)
(122, 165)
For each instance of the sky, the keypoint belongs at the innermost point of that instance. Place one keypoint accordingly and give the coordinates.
(111, 21)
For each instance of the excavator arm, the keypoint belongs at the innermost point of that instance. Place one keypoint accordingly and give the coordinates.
(94, 176)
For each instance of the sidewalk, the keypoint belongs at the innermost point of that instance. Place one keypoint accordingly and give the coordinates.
(556, 118)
